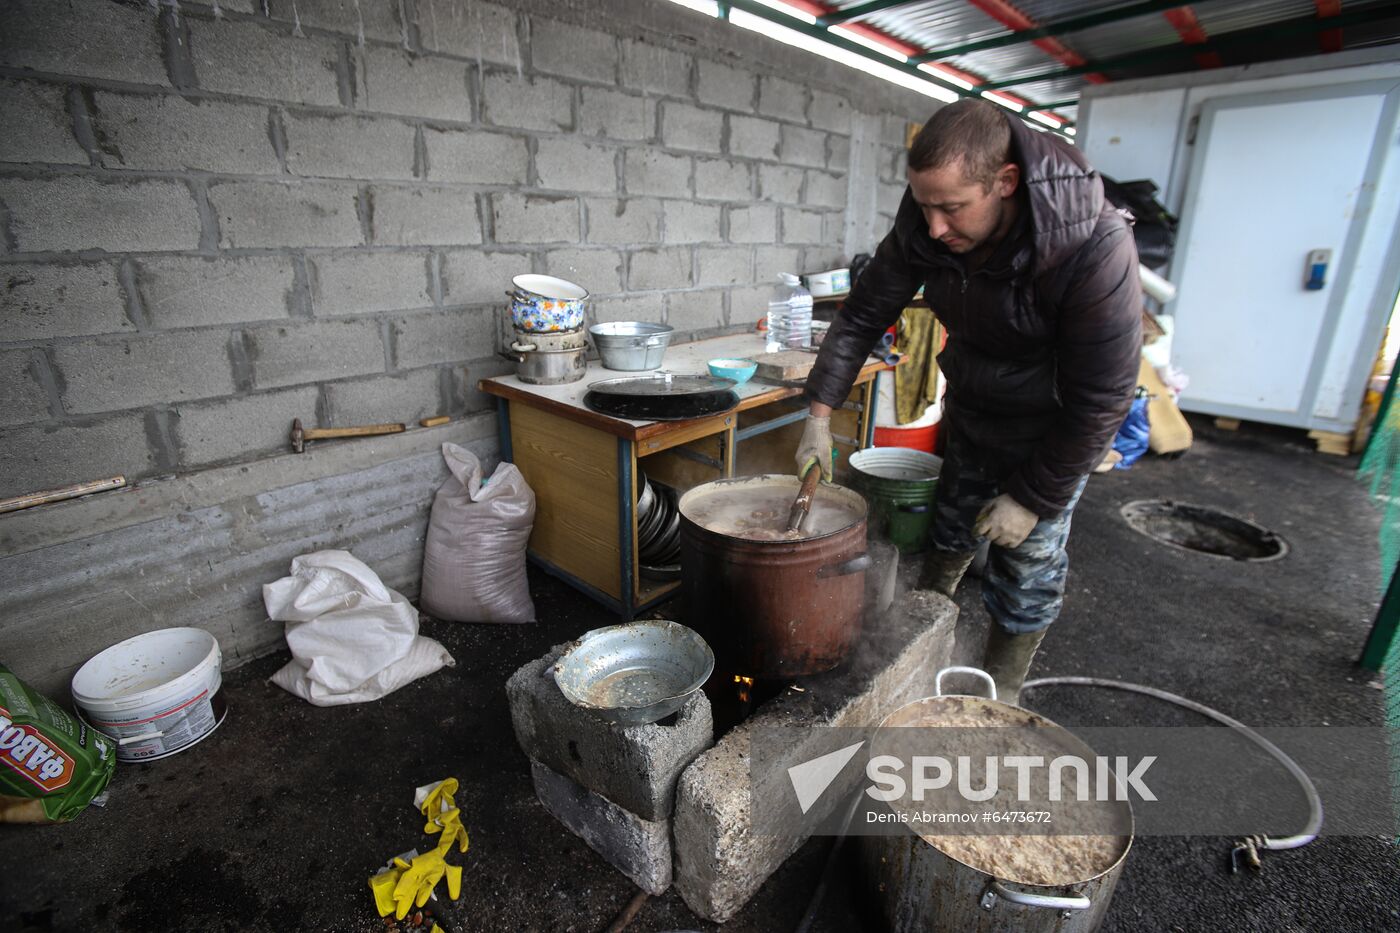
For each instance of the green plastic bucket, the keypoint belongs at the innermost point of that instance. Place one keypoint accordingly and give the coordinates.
(898, 483)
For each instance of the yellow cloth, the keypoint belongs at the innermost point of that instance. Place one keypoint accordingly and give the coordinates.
(916, 379)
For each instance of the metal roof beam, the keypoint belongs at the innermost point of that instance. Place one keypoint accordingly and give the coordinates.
(1293, 27)
(1073, 24)
(837, 17)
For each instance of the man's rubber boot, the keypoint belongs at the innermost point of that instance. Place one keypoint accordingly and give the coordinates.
(1008, 659)
(943, 570)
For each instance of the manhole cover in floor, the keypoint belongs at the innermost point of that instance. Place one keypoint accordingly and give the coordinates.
(1203, 530)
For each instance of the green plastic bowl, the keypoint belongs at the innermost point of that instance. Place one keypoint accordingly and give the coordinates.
(741, 371)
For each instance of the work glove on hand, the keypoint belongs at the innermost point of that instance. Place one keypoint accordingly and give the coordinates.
(815, 447)
(1005, 521)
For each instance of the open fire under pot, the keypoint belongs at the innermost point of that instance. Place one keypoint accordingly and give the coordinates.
(774, 606)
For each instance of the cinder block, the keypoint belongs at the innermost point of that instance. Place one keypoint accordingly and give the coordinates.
(804, 147)
(655, 70)
(725, 850)
(833, 227)
(695, 311)
(358, 283)
(687, 127)
(444, 337)
(824, 190)
(894, 129)
(172, 132)
(402, 397)
(478, 31)
(25, 398)
(43, 300)
(572, 165)
(753, 137)
(189, 291)
(402, 216)
(352, 17)
(615, 115)
(688, 222)
(37, 125)
(658, 268)
(823, 257)
(890, 197)
(640, 849)
(348, 147)
(245, 58)
(598, 270)
(771, 261)
(634, 220)
(782, 99)
(647, 171)
(522, 219)
(724, 86)
(830, 112)
(633, 766)
(108, 374)
(723, 265)
(838, 153)
(471, 276)
(392, 81)
(628, 308)
(236, 428)
(44, 455)
(564, 49)
(77, 213)
(893, 165)
(748, 306)
(780, 183)
(476, 157)
(757, 224)
(722, 180)
(801, 226)
(510, 99)
(294, 354)
(60, 38)
(268, 214)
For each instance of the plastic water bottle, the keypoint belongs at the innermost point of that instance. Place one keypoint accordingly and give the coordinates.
(789, 315)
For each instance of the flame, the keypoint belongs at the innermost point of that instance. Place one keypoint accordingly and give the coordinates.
(744, 684)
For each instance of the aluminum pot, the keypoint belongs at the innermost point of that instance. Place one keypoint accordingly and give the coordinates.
(775, 608)
(544, 304)
(561, 340)
(922, 889)
(549, 367)
(631, 346)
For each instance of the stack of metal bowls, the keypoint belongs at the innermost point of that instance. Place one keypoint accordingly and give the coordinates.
(547, 315)
(658, 530)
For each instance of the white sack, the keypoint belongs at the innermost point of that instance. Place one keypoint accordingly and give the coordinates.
(352, 638)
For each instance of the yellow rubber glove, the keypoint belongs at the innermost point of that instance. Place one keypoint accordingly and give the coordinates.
(417, 881)
(815, 447)
(1006, 522)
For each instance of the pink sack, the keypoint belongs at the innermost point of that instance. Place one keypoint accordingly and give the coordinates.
(474, 559)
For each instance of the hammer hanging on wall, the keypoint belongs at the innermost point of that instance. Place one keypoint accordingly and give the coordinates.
(301, 435)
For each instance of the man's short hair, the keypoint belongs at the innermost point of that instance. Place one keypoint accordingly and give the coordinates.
(974, 131)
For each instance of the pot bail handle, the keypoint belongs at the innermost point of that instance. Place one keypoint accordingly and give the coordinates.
(1049, 901)
(974, 671)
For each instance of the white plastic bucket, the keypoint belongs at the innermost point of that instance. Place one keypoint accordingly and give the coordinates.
(154, 694)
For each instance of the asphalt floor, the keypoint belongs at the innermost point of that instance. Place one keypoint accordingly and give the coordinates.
(276, 821)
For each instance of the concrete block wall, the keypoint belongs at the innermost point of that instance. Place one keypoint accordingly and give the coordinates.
(215, 217)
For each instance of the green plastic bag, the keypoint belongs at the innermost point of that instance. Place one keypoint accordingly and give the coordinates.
(51, 764)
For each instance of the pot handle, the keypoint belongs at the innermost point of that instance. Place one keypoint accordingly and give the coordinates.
(513, 357)
(975, 671)
(854, 565)
(519, 347)
(1049, 901)
(916, 509)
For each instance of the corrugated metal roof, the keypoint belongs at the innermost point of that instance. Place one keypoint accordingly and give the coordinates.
(1248, 25)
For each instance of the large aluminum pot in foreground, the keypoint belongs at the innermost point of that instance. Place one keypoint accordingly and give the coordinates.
(930, 879)
(771, 605)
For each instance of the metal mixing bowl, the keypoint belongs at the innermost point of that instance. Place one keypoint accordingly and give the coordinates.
(636, 673)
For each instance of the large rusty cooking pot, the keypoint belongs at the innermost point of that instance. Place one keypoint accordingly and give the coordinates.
(771, 605)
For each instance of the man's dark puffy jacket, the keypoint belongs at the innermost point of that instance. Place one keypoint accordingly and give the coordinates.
(1043, 339)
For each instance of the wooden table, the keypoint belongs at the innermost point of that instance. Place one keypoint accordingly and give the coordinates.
(583, 466)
